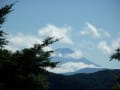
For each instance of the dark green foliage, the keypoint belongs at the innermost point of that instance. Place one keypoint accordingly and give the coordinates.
(32, 60)
(3, 12)
(116, 55)
(23, 69)
(3, 41)
(116, 87)
(102, 80)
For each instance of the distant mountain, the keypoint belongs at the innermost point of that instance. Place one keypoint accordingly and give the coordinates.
(102, 80)
(64, 50)
(69, 59)
(85, 70)
(64, 56)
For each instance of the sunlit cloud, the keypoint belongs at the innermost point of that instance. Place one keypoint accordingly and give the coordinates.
(75, 54)
(70, 67)
(105, 47)
(61, 33)
(109, 49)
(89, 29)
(93, 31)
(20, 41)
(116, 43)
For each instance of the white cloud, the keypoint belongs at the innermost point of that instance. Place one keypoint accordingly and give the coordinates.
(21, 41)
(93, 30)
(90, 29)
(116, 43)
(104, 47)
(109, 49)
(48, 48)
(11, 47)
(70, 67)
(56, 32)
(76, 54)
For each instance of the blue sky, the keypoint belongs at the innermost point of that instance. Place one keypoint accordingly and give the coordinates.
(91, 27)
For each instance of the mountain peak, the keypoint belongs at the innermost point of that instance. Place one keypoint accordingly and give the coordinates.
(69, 63)
(64, 50)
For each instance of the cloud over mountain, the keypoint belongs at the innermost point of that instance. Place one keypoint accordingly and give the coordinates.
(70, 67)
(68, 53)
(70, 61)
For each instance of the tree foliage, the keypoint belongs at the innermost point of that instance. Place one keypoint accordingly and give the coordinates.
(3, 12)
(23, 69)
(26, 68)
(116, 56)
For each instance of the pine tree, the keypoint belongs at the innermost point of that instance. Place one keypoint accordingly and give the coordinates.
(23, 69)
(3, 12)
(31, 63)
(5, 54)
(116, 56)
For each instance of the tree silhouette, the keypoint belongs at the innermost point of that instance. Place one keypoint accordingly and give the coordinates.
(5, 64)
(30, 63)
(116, 56)
(23, 69)
(3, 12)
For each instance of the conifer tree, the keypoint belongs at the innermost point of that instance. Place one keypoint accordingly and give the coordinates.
(3, 12)
(4, 53)
(23, 69)
(116, 56)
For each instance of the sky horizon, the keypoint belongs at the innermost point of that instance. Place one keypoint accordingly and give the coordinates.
(90, 28)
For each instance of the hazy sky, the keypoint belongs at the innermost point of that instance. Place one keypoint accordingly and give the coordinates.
(91, 27)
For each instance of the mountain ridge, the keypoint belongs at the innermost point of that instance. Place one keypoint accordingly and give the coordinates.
(101, 80)
(86, 70)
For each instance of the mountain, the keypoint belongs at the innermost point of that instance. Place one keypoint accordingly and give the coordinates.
(70, 59)
(65, 55)
(85, 70)
(102, 80)
(70, 63)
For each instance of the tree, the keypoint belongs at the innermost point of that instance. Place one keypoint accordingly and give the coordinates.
(31, 63)
(23, 69)
(3, 12)
(116, 56)
(4, 53)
